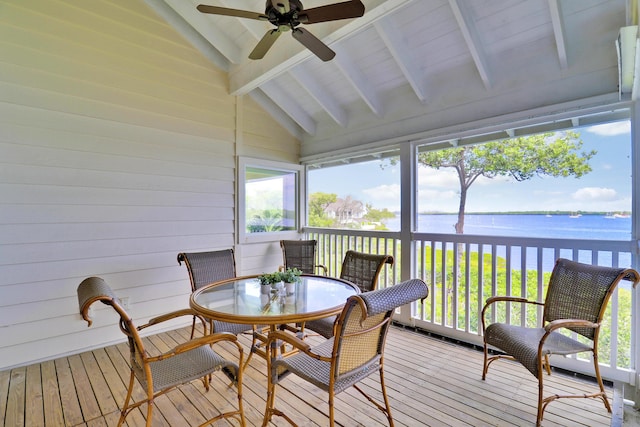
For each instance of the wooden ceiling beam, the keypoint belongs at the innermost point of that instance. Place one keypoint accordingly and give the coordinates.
(360, 83)
(470, 33)
(324, 99)
(558, 31)
(398, 48)
(289, 106)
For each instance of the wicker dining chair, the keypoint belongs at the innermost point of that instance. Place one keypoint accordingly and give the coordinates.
(301, 254)
(576, 301)
(158, 374)
(362, 270)
(354, 353)
(208, 267)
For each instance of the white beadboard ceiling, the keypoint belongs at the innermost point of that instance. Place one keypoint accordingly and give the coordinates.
(410, 68)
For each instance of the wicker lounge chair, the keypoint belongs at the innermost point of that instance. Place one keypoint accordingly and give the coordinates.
(301, 254)
(158, 374)
(355, 352)
(576, 301)
(360, 269)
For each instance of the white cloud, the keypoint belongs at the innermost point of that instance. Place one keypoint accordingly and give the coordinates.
(438, 201)
(500, 179)
(432, 178)
(611, 129)
(384, 192)
(595, 194)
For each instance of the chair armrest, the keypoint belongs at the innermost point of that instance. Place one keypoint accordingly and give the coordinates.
(289, 339)
(503, 298)
(173, 315)
(323, 268)
(169, 316)
(569, 323)
(492, 300)
(195, 343)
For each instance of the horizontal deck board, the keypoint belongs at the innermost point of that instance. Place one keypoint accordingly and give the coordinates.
(430, 382)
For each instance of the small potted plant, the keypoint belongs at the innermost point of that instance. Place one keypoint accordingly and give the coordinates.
(290, 276)
(268, 280)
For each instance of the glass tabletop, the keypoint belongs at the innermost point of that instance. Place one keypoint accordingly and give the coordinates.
(244, 300)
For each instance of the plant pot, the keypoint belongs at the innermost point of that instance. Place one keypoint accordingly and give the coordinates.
(290, 287)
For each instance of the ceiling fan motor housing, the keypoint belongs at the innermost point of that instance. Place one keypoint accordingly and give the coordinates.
(277, 16)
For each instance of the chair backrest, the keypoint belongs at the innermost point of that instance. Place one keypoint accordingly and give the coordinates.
(300, 254)
(362, 327)
(363, 269)
(208, 267)
(581, 291)
(94, 289)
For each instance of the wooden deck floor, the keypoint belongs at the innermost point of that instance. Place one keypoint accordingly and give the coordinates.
(430, 382)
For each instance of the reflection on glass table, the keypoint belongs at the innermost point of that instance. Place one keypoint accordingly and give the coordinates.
(244, 300)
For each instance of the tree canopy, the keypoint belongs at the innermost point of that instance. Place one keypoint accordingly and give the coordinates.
(550, 154)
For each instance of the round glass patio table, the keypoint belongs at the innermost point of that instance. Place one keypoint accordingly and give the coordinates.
(244, 300)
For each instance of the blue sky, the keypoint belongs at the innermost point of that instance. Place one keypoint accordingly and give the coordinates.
(607, 188)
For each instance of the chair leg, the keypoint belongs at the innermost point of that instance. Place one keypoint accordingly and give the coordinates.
(485, 366)
(271, 393)
(331, 412)
(547, 365)
(603, 393)
(239, 375)
(149, 412)
(541, 405)
(387, 412)
(254, 341)
(125, 406)
(386, 409)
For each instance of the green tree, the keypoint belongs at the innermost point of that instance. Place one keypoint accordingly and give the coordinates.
(378, 216)
(267, 221)
(317, 204)
(550, 154)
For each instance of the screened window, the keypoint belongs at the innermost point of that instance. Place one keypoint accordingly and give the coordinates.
(569, 183)
(356, 194)
(268, 196)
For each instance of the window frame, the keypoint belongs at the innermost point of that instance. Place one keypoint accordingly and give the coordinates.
(299, 172)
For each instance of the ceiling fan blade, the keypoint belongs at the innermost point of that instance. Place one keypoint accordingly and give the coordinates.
(231, 12)
(314, 44)
(265, 44)
(332, 12)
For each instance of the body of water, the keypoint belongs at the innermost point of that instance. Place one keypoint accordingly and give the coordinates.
(597, 227)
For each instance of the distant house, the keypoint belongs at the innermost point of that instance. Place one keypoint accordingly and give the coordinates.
(346, 211)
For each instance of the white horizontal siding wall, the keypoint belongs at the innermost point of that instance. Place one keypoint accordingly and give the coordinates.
(117, 151)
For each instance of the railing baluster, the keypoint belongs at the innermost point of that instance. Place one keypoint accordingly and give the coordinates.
(446, 261)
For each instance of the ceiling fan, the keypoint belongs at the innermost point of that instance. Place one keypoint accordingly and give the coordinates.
(287, 15)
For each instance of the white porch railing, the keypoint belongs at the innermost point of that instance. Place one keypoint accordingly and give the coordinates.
(459, 284)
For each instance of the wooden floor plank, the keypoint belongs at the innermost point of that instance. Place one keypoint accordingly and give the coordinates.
(69, 398)
(53, 413)
(16, 398)
(88, 400)
(429, 381)
(5, 376)
(99, 385)
(34, 406)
